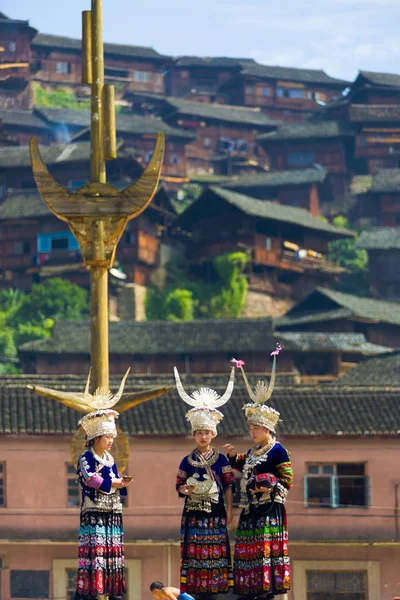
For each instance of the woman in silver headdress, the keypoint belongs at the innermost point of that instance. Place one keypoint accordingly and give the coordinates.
(101, 546)
(205, 480)
(261, 561)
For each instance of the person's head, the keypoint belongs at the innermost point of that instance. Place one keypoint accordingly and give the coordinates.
(103, 442)
(156, 589)
(260, 435)
(203, 437)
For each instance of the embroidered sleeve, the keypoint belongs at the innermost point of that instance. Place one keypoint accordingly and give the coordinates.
(181, 476)
(228, 477)
(237, 462)
(89, 476)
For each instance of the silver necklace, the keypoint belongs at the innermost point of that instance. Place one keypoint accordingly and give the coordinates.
(106, 460)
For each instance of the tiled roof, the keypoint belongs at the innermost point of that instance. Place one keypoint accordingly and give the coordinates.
(381, 371)
(222, 112)
(265, 209)
(43, 40)
(212, 61)
(337, 305)
(386, 180)
(305, 411)
(55, 153)
(278, 178)
(125, 123)
(27, 204)
(372, 112)
(162, 337)
(293, 74)
(22, 118)
(380, 238)
(311, 129)
(346, 342)
(385, 79)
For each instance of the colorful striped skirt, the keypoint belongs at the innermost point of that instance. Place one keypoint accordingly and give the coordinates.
(261, 561)
(206, 566)
(101, 556)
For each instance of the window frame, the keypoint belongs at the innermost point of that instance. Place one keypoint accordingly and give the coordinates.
(65, 69)
(141, 76)
(3, 504)
(72, 477)
(335, 489)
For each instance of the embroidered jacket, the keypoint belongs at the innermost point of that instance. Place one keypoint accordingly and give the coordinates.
(96, 481)
(211, 475)
(275, 461)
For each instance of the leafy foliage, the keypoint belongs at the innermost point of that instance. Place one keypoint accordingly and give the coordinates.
(27, 317)
(57, 98)
(355, 260)
(184, 299)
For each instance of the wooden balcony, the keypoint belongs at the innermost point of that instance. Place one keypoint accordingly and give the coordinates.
(290, 261)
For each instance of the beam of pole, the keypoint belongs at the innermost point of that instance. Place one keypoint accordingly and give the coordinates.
(97, 158)
(99, 327)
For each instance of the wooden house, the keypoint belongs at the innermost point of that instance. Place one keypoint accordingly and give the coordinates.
(326, 310)
(383, 247)
(15, 63)
(204, 346)
(224, 136)
(287, 243)
(377, 199)
(303, 188)
(57, 61)
(20, 125)
(285, 93)
(138, 133)
(325, 143)
(201, 78)
(34, 244)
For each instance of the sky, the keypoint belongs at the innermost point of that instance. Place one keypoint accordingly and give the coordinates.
(339, 36)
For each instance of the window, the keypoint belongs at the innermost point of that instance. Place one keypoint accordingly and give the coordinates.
(21, 248)
(268, 243)
(12, 46)
(314, 96)
(241, 145)
(71, 584)
(225, 144)
(250, 90)
(207, 142)
(300, 159)
(337, 585)
(265, 91)
(63, 67)
(284, 92)
(339, 485)
(2, 484)
(141, 76)
(29, 584)
(114, 73)
(61, 240)
(72, 487)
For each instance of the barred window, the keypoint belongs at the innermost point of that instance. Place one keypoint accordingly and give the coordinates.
(71, 584)
(2, 484)
(337, 585)
(72, 487)
(29, 584)
(339, 485)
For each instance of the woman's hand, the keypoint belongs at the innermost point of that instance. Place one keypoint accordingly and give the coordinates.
(185, 490)
(118, 483)
(230, 450)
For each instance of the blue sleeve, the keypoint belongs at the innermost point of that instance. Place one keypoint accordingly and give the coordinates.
(89, 476)
(122, 491)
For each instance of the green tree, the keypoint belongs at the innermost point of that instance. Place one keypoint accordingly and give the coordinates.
(354, 260)
(55, 299)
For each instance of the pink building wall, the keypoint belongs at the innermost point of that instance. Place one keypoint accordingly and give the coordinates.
(37, 528)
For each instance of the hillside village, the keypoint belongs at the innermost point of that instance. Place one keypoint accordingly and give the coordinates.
(277, 219)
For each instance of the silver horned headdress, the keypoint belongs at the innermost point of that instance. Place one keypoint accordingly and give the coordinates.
(257, 413)
(101, 421)
(205, 401)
